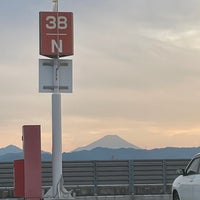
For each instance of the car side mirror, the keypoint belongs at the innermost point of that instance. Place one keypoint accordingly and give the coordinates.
(181, 172)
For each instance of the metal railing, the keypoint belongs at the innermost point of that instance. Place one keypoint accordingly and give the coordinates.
(108, 177)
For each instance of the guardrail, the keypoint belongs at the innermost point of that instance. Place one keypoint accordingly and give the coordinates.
(114, 177)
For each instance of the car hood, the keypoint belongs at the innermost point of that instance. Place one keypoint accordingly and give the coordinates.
(177, 180)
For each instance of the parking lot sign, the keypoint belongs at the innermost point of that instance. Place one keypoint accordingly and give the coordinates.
(56, 34)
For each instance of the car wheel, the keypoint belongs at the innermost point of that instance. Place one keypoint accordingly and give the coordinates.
(175, 196)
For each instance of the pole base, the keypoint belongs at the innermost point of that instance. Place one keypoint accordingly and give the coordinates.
(61, 194)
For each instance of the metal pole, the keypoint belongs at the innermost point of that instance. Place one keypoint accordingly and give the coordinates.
(56, 131)
(55, 5)
(56, 125)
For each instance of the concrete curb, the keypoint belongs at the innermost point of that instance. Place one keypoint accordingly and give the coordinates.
(127, 197)
(118, 197)
(152, 197)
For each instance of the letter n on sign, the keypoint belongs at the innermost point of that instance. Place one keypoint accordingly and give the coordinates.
(56, 34)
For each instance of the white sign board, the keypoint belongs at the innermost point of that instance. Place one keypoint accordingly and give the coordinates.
(46, 76)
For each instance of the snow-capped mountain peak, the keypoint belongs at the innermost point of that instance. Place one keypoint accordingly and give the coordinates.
(109, 141)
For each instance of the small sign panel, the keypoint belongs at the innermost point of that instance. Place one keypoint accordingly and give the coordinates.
(46, 76)
(56, 34)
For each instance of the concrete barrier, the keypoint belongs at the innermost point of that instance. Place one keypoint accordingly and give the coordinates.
(152, 197)
(118, 197)
(127, 197)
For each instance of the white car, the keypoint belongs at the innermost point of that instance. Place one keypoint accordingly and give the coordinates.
(187, 185)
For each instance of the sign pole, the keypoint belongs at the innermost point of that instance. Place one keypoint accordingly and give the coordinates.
(56, 125)
(55, 5)
(56, 131)
(57, 191)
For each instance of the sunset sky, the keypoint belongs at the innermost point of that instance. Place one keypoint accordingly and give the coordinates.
(136, 72)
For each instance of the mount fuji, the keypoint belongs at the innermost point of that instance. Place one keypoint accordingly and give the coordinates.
(108, 141)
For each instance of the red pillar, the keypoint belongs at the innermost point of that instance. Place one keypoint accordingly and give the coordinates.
(32, 161)
(19, 178)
